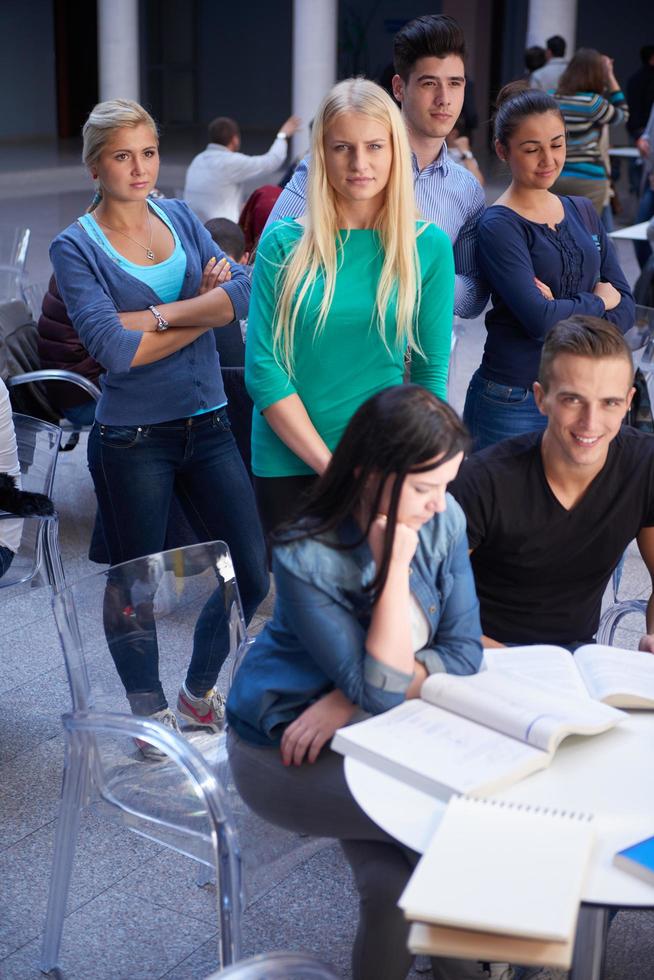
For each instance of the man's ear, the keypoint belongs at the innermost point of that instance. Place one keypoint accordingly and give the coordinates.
(630, 398)
(539, 397)
(397, 84)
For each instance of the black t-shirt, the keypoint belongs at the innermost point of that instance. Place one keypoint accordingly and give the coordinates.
(541, 570)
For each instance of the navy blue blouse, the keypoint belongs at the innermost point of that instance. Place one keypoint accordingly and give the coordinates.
(568, 258)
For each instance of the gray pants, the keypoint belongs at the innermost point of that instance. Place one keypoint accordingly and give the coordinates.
(315, 800)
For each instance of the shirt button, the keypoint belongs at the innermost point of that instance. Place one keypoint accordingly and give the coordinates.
(197, 384)
(432, 609)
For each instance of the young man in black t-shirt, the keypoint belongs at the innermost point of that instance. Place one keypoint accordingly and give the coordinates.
(550, 515)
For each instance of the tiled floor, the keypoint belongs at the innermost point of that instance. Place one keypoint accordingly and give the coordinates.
(135, 910)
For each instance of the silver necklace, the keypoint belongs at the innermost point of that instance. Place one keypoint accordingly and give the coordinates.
(148, 250)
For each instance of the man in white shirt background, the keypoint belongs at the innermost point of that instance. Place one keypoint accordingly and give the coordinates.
(218, 178)
(547, 77)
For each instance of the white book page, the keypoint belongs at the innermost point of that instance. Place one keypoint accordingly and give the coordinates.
(515, 705)
(611, 671)
(446, 752)
(549, 665)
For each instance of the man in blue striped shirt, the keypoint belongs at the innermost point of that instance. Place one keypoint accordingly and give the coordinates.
(428, 56)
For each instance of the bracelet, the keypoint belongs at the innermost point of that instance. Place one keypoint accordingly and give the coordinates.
(467, 155)
(161, 323)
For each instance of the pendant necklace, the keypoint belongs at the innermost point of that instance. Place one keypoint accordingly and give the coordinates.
(147, 249)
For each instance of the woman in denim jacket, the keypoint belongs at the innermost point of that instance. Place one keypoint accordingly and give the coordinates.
(144, 285)
(374, 592)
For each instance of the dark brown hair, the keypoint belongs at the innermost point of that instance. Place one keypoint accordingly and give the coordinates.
(223, 130)
(429, 36)
(399, 430)
(585, 73)
(514, 103)
(582, 336)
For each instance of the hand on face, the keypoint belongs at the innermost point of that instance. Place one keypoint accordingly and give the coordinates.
(405, 541)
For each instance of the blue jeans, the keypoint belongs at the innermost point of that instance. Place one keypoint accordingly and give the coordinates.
(494, 411)
(644, 213)
(6, 558)
(135, 470)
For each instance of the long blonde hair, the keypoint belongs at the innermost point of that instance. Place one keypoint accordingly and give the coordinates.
(103, 119)
(318, 249)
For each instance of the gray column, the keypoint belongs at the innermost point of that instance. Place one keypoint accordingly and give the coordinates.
(314, 60)
(548, 17)
(118, 49)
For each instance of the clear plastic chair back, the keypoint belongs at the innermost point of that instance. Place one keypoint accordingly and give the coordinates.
(38, 446)
(173, 605)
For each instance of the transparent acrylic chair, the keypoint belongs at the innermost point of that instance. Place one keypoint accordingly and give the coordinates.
(38, 556)
(14, 243)
(57, 374)
(277, 966)
(186, 598)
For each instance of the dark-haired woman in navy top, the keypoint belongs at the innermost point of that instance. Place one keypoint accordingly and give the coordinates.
(545, 258)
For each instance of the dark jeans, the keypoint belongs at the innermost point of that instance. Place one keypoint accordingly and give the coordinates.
(494, 411)
(278, 497)
(135, 470)
(6, 558)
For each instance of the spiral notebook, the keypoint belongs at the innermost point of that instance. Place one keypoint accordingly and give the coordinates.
(501, 881)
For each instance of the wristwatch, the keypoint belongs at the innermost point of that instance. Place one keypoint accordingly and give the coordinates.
(161, 323)
(281, 136)
(467, 155)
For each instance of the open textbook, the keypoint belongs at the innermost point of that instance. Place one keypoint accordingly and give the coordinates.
(474, 734)
(500, 882)
(623, 678)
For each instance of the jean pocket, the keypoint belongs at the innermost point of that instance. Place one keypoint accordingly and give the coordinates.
(221, 421)
(122, 436)
(505, 394)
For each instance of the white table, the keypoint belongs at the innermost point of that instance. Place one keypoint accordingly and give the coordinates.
(624, 151)
(609, 775)
(637, 233)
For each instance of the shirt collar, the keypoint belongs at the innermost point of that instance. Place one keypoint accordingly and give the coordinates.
(440, 163)
(217, 146)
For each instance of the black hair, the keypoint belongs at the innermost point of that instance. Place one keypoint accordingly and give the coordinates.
(400, 430)
(646, 53)
(534, 58)
(514, 103)
(227, 235)
(223, 130)
(556, 44)
(429, 36)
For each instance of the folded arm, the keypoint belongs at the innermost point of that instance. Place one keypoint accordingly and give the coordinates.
(506, 262)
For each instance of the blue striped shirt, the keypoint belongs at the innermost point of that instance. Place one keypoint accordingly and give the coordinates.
(446, 194)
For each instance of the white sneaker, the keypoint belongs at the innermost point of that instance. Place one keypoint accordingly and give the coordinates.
(206, 712)
(167, 718)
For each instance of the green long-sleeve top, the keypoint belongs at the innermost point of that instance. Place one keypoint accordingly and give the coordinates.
(347, 362)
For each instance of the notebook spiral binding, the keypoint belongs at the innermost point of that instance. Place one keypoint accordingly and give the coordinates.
(544, 811)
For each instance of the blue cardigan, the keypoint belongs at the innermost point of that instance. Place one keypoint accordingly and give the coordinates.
(569, 259)
(94, 289)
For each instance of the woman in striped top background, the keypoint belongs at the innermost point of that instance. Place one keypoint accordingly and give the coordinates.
(590, 99)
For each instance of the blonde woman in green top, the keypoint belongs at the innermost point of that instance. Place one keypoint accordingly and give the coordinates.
(339, 295)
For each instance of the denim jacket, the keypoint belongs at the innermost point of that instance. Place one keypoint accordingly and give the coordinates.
(316, 638)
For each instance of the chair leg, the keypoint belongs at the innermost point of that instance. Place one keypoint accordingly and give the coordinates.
(72, 795)
(590, 943)
(228, 895)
